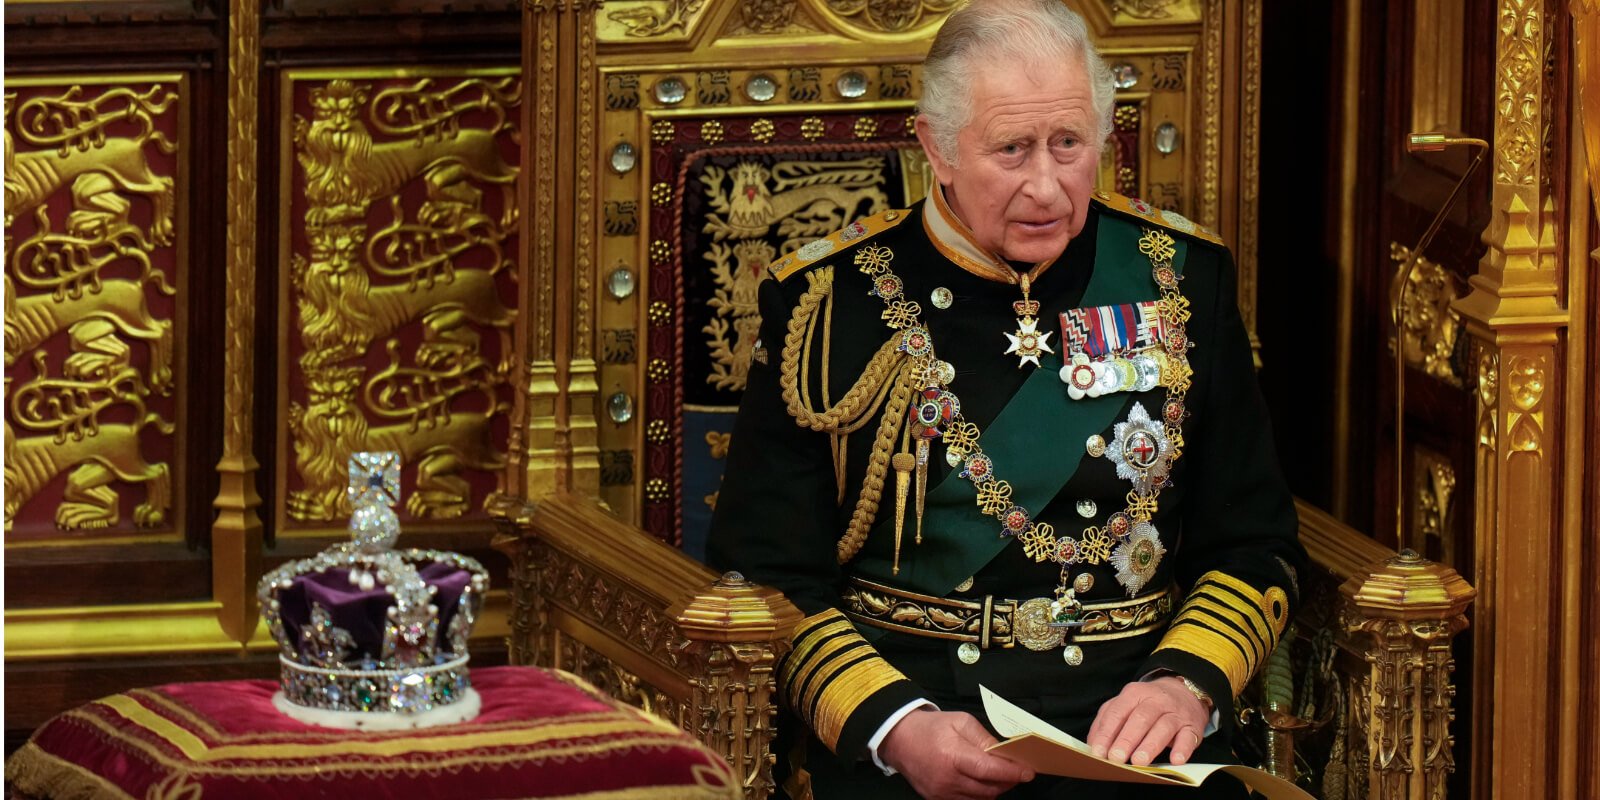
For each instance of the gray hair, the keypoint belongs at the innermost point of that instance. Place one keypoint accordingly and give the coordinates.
(1022, 29)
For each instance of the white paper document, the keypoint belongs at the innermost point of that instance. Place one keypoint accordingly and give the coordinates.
(1050, 751)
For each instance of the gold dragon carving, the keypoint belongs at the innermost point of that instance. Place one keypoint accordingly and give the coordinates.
(84, 413)
(795, 201)
(410, 405)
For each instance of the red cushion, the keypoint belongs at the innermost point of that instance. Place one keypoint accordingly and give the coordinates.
(542, 734)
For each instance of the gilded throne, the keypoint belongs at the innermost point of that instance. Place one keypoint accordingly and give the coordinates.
(729, 134)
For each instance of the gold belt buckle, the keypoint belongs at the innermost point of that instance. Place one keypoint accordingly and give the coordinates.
(1031, 626)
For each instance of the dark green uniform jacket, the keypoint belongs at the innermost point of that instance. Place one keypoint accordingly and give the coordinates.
(1226, 521)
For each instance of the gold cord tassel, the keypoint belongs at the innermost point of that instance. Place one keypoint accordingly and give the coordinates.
(922, 483)
(903, 464)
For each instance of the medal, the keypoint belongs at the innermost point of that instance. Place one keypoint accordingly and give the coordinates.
(1137, 558)
(1141, 449)
(1027, 343)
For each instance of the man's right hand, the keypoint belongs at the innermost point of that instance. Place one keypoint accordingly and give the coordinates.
(941, 753)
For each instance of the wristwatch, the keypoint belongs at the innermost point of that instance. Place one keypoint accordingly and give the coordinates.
(1199, 693)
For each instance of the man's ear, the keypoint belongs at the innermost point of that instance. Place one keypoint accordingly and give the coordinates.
(943, 171)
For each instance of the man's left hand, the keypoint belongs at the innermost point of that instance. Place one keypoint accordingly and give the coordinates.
(1148, 717)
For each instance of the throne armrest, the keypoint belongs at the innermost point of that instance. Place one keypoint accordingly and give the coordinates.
(596, 596)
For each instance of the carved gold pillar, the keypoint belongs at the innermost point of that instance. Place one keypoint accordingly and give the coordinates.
(1403, 614)
(1580, 775)
(737, 631)
(554, 442)
(1514, 312)
(237, 533)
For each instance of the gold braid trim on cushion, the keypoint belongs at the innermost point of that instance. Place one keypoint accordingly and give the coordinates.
(830, 672)
(37, 773)
(885, 385)
(1230, 624)
(436, 755)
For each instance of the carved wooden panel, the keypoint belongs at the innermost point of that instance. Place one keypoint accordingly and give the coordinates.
(397, 247)
(96, 193)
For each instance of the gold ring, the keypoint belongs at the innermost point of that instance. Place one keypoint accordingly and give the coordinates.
(1197, 737)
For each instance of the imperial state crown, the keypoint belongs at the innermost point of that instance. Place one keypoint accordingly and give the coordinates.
(371, 637)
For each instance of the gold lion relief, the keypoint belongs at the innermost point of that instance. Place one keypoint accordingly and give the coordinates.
(97, 376)
(77, 262)
(416, 256)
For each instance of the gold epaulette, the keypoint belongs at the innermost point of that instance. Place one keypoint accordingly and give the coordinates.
(1230, 624)
(852, 234)
(1133, 206)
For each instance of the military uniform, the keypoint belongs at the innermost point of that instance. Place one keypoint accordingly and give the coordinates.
(885, 345)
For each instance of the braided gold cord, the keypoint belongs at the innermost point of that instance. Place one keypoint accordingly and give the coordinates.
(849, 414)
(866, 415)
(866, 510)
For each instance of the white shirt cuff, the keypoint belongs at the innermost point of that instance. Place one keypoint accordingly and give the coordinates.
(888, 724)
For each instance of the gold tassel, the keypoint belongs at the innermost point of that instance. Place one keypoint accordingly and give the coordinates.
(903, 464)
(922, 483)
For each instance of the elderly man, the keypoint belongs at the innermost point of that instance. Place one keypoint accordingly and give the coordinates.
(1009, 437)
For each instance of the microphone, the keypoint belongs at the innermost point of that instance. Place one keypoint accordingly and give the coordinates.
(1429, 142)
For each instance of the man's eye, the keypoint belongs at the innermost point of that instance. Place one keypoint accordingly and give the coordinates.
(1066, 141)
(1011, 149)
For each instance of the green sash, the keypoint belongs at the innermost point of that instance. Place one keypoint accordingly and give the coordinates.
(1036, 443)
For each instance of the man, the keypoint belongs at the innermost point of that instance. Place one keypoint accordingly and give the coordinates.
(1086, 519)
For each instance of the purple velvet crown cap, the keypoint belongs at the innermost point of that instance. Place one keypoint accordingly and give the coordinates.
(363, 612)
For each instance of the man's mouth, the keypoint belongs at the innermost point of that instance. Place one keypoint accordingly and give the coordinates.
(1042, 226)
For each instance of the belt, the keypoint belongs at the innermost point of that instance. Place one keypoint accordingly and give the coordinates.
(993, 622)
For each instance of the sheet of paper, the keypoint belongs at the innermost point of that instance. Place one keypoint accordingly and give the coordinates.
(1051, 751)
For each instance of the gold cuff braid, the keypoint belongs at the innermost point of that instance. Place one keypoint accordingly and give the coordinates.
(1230, 624)
(830, 672)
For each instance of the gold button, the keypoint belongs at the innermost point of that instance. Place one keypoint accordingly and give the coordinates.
(965, 585)
(1096, 446)
(1083, 583)
(890, 216)
(1087, 508)
(1073, 655)
(968, 653)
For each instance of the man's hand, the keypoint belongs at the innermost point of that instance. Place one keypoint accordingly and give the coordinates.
(1148, 717)
(941, 754)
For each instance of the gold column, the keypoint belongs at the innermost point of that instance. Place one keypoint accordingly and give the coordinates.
(737, 631)
(1514, 314)
(236, 535)
(1580, 776)
(554, 442)
(533, 460)
(583, 383)
(1403, 613)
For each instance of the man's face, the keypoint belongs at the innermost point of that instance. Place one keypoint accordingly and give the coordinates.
(1026, 161)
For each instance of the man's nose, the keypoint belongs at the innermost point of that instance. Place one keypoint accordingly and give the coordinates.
(1041, 184)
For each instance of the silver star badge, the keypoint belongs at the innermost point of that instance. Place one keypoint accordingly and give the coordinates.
(1137, 558)
(1140, 449)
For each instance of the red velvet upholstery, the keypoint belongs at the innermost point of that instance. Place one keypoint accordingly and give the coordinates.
(542, 734)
